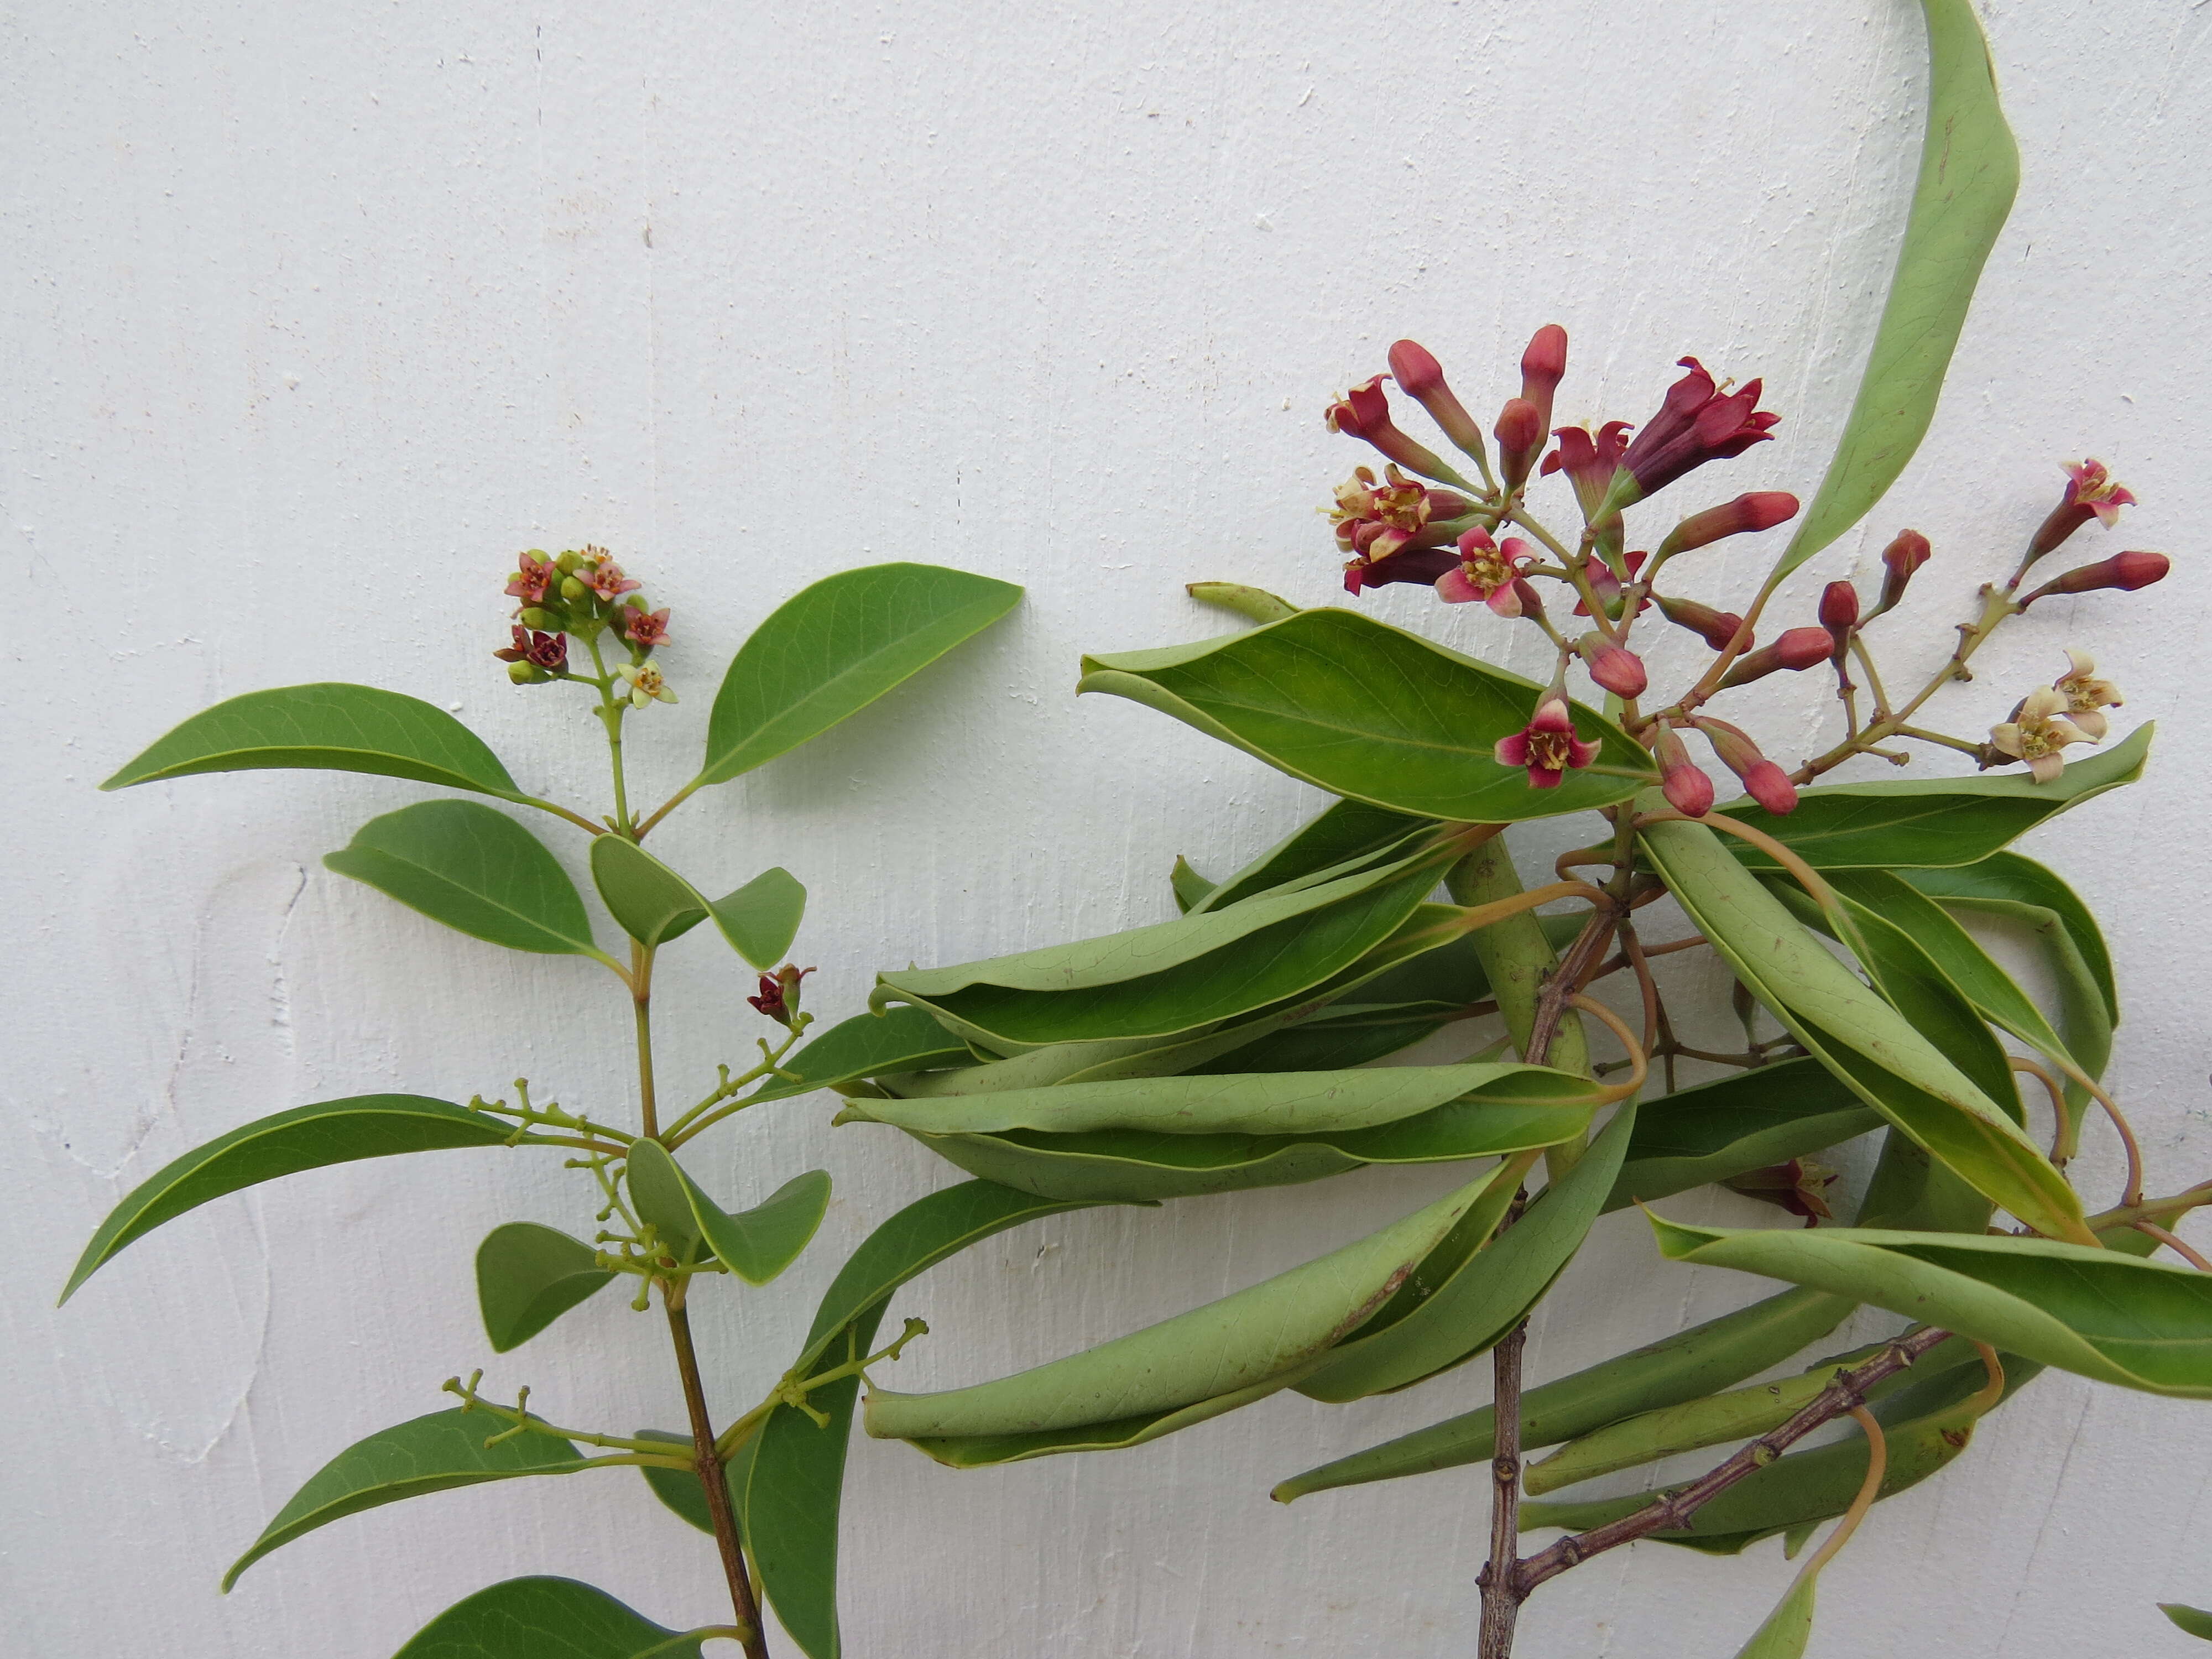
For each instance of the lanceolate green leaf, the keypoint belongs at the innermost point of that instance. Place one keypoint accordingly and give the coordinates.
(866, 1045)
(2102, 1314)
(1461, 1312)
(546, 1619)
(430, 1454)
(1345, 831)
(339, 728)
(2195, 1621)
(831, 649)
(755, 1244)
(1901, 822)
(304, 1138)
(527, 1276)
(761, 918)
(1714, 1355)
(476, 870)
(1857, 1034)
(1767, 1116)
(1969, 170)
(648, 901)
(2010, 885)
(1225, 1347)
(1372, 712)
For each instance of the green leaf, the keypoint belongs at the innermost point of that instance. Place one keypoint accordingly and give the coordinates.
(1257, 603)
(831, 649)
(1767, 1115)
(1860, 1037)
(649, 901)
(1372, 712)
(1969, 170)
(2101, 1314)
(1151, 982)
(1190, 887)
(866, 1045)
(338, 728)
(1118, 1167)
(1346, 834)
(527, 1276)
(545, 1619)
(1453, 1311)
(1929, 821)
(304, 1138)
(761, 918)
(679, 1490)
(1683, 1366)
(2195, 1621)
(755, 1244)
(1251, 1338)
(2010, 885)
(476, 870)
(1353, 1035)
(430, 1454)
(982, 1451)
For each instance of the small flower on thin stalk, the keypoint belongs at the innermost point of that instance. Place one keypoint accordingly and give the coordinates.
(1717, 629)
(1364, 412)
(2090, 492)
(645, 683)
(2038, 730)
(1548, 746)
(606, 581)
(2087, 696)
(1687, 789)
(1763, 781)
(1489, 571)
(1616, 668)
(1589, 460)
(779, 993)
(1520, 434)
(533, 579)
(1839, 613)
(1794, 649)
(1752, 511)
(1375, 518)
(1698, 422)
(1543, 366)
(1899, 561)
(1605, 582)
(645, 629)
(2126, 571)
(548, 652)
(1421, 378)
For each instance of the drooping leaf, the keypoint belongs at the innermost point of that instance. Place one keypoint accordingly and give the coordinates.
(1372, 712)
(1684, 1366)
(1353, 1036)
(2100, 1313)
(831, 649)
(1257, 603)
(2006, 884)
(983, 1451)
(1190, 887)
(1969, 171)
(1860, 1037)
(649, 901)
(429, 1454)
(1344, 832)
(476, 870)
(2194, 1620)
(1242, 1341)
(304, 1138)
(335, 727)
(545, 1619)
(1462, 1311)
(755, 1244)
(1745, 1122)
(527, 1276)
(866, 1045)
(761, 918)
(1900, 823)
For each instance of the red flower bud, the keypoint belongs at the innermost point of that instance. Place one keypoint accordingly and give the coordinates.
(1899, 560)
(1618, 670)
(1364, 412)
(1421, 378)
(2090, 492)
(1718, 628)
(1839, 613)
(1763, 781)
(1798, 649)
(1686, 788)
(1758, 509)
(1543, 365)
(1520, 440)
(2126, 571)
(779, 993)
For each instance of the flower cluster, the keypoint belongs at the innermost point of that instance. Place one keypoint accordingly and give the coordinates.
(584, 595)
(1422, 521)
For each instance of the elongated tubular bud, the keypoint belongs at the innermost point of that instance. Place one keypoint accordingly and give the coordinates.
(2126, 571)
(1421, 378)
(1798, 649)
(1614, 667)
(1839, 613)
(1763, 781)
(1543, 366)
(1899, 561)
(1756, 509)
(1520, 440)
(1685, 785)
(1716, 627)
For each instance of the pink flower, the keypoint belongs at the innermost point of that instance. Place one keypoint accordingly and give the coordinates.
(1589, 460)
(1364, 412)
(645, 629)
(2091, 493)
(1547, 746)
(1763, 781)
(1606, 584)
(1488, 572)
(547, 651)
(1839, 613)
(605, 579)
(1697, 424)
(1616, 668)
(1374, 519)
(1520, 434)
(533, 580)
(1543, 366)
(1687, 789)
(1899, 561)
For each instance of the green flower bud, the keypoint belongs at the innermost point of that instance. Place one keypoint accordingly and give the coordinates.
(526, 673)
(569, 563)
(545, 622)
(573, 590)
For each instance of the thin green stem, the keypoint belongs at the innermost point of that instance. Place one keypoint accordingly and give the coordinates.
(641, 959)
(559, 811)
(666, 808)
(611, 710)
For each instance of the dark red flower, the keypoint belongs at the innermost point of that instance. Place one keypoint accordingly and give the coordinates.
(779, 993)
(2090, 492)
(1547, 746)
(1589, 460)
(1763, 781)
(1698, 422)
(1794, 649)
(1899, 561)
(547, 651)
(1364, 412)
(1799, 1187)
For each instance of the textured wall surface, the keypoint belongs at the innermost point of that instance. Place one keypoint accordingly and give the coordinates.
(315, 313)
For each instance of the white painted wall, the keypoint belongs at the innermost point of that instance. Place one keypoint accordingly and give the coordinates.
(314, 314)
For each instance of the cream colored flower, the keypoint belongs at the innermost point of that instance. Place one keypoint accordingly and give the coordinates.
(645, 684)
(2038, 729)
(2087, 696)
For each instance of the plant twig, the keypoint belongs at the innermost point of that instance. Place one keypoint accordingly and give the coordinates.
(711, 1476)
(1500, 1578)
